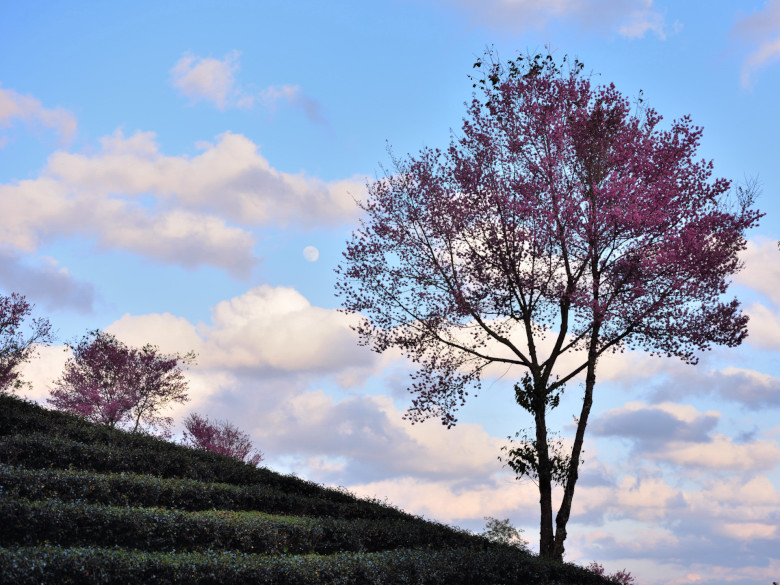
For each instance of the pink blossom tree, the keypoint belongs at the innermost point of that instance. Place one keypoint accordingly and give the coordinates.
(556, 208)
(15, 348)
(107, 382)
(220, 437)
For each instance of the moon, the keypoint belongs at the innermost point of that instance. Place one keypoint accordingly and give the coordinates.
(311, 253)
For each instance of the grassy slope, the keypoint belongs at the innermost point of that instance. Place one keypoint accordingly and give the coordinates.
(81, 503)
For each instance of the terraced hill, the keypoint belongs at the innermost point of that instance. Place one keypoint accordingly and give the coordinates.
(82, 503)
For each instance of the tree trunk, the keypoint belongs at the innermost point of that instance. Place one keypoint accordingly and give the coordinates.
(564, 512)
(546, 535)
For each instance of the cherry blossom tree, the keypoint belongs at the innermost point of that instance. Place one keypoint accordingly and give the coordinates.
(15, 348)
(220, 437)
(559, 207)
(107, 382)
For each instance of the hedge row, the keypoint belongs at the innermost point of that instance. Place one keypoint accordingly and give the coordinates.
(455, 566)
(24, 418)
(130, 489)
(147, 455)
(158, 529)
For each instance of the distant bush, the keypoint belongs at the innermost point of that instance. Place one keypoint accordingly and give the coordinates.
(621, 577)
(502, 531)
(220, 437)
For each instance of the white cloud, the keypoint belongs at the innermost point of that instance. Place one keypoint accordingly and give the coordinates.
(644, 18)
(230, 178)
(446, 501)
(213, 80)
(749, 531)
(630, 18)
(267, 329)
(755, 390)
(30, 110)
(760, 30)
(102, 196)
(35, 211)
(721, 453)
(763, 327)
(761, 272)
(42, 370)
(207, 78)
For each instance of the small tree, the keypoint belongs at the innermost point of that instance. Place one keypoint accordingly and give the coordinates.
(220, 437)
(502, 531)
(107, 382)
(621, 577)
(557, 208)
(15, 348)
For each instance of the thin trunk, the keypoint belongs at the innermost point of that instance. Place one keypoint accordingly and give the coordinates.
(562, 518)
(546, 535)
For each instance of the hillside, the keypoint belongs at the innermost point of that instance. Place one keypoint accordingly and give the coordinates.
(82, 503)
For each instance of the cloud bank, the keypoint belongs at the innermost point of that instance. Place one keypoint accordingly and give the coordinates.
(177, 210)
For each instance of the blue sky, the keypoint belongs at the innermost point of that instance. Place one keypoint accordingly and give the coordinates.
(165, 166)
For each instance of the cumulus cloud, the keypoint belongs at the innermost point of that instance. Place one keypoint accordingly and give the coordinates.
(761, 271)
(230, 178)
(48, 283)
(42, 370)
(29, 110)
(213, 80)
(370, 433)
(761, 31)
(265, 331)
(682, 436)
(207, 78)
(630, 18)
(752, 389)
(763, 327)
(105, 196)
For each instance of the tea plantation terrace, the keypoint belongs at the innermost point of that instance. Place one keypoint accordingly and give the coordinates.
(83, 503)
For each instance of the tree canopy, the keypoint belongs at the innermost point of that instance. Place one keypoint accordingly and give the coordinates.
(561, 214)
(108, 382)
